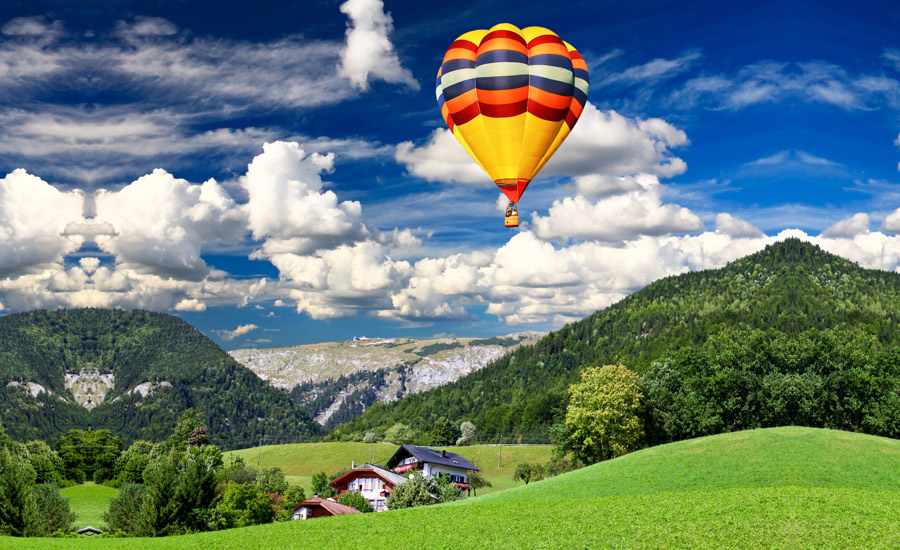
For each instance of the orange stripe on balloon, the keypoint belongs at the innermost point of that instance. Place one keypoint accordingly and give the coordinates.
(460, 102)
(549, 99)
(458, 53)
(502, 44)
(497, 97)
(540, 49)
(576, 109)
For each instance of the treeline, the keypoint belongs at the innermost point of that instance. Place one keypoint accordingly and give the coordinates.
(176, 486)
(839, 379)
(789, 288)
(180, 366)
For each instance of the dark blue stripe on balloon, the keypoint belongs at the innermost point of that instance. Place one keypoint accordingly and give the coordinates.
(458, 89)
(456, 64)
(550, 85)
(441, 101)
(579, 96)
(551, 59)
(501, 82)
(502, 56)
(582, 74)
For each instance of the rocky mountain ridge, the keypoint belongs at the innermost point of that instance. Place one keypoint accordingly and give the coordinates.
(335, 381)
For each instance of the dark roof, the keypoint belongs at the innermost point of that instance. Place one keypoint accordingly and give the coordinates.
(433, 456)
(336, 508)
(90, 530)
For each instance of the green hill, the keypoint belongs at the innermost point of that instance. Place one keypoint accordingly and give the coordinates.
(776, 488)
(134, 373)
(791, 288)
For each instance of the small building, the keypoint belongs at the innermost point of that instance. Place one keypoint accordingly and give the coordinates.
(372, 482)
(316, 507)
(433, 463)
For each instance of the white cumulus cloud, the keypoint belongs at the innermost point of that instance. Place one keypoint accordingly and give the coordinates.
(368, 52)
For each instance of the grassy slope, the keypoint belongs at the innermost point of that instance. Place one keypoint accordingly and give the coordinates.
(775, 488)
(300, 461)
(89, 502)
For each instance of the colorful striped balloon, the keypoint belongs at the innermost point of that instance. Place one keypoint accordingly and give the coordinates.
(511, 96)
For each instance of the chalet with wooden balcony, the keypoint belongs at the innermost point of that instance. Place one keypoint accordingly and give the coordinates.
(433, 463)
(372, 482)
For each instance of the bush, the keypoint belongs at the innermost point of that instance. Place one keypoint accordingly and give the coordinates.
(356, 500)
(130, 465)
(243, 504)
(399, 434)
(48, 466)
(418, 490)
(467, 434)
(320, 485)
(294, 496)
(529, 471)
(271, 480)
(125, 509)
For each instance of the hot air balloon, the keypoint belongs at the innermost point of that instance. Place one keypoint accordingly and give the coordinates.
(511, 96)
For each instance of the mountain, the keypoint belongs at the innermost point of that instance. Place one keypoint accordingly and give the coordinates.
(790, 288)
(134, 373)
(337, 381)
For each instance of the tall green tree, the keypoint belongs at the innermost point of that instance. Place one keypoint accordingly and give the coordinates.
(181, 491)
(603, 413)
(443, 432)
(18, 510)
(53, 509)
(124, 512)
(47, 464)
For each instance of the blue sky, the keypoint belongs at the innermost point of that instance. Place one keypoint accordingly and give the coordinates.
(279, 173)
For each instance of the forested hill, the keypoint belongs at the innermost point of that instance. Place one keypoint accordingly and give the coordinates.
(134, 373)
(790, 288)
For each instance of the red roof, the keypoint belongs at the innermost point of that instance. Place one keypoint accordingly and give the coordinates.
(336, 508)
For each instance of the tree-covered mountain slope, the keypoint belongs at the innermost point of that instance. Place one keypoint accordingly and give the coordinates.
(132, 372)
(791, 287)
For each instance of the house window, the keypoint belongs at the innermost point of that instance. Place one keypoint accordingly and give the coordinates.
(379, 505)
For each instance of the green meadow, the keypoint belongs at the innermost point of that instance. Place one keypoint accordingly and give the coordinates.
(773, 488)
(301, 460)
(89, 502)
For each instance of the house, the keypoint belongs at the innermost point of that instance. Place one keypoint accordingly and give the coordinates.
(433, 463)
(316, 507)
(372, 482)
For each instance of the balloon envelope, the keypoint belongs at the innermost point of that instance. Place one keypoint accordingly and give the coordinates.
(511, 96)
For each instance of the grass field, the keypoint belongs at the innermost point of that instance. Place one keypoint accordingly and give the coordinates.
(89, 502)
(775, 488)
(300, 461)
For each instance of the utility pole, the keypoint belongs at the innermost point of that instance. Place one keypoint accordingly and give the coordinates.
(500, 458)
(259, 454)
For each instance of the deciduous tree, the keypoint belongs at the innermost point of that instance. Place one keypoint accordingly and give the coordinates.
(603, 413)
